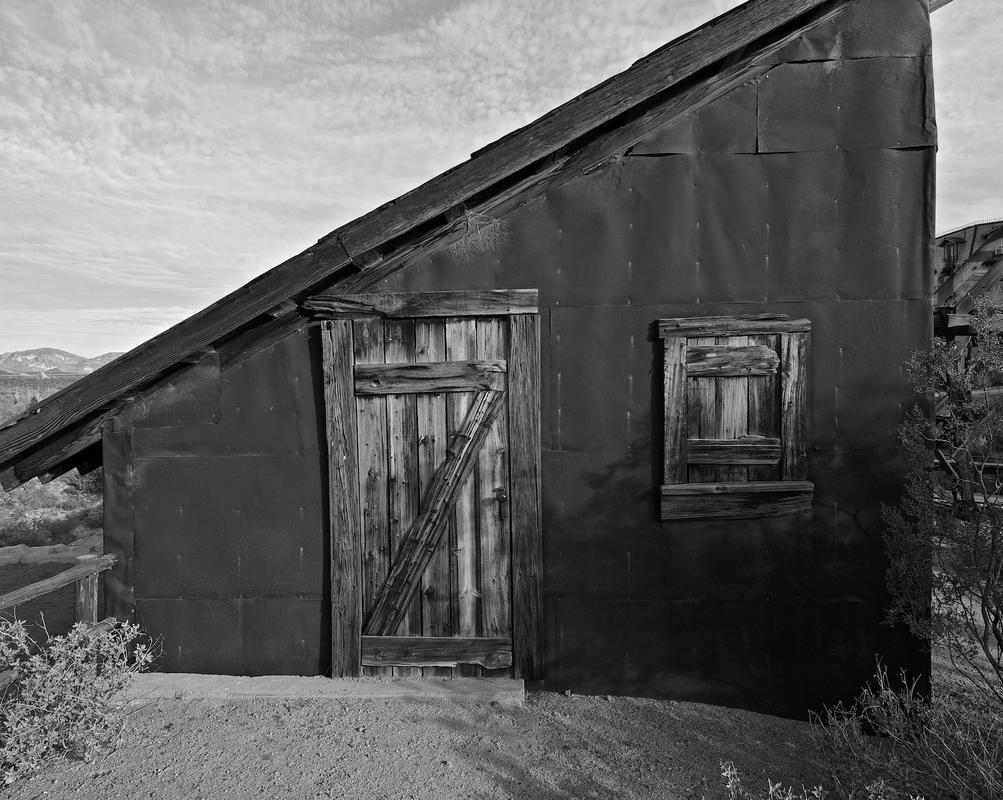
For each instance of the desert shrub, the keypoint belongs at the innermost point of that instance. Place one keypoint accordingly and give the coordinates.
(91, 484)
(950, 746)
(944, 540)
(734, 789)
(38, 513)
(61, 701)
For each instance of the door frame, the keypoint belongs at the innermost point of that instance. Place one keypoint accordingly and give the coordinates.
(336, 311)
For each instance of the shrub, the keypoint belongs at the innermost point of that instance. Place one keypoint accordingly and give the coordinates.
(875, 790)
(61, 701)
(945, 539)
(949, 747)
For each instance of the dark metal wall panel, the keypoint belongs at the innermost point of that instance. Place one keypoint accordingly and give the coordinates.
(718, 227)
(246, 526)
(231, 565)
(119, 521)
(865, 29)
(846, 105)
(783, 658)
(191, 396)
(725, 126)
(239, 636)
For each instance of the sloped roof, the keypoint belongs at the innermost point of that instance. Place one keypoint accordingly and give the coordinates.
(574, 138)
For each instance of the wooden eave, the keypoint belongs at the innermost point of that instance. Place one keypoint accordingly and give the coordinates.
(574, 138)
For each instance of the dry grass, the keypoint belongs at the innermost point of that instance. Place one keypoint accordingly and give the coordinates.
(58, 512)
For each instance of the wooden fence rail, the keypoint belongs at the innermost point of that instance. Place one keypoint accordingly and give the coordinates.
(84, 574)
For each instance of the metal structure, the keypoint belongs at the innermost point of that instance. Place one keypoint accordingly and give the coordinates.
(381, 456)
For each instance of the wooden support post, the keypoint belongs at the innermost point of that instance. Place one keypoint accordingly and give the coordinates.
(343, 493)
(87, 594)
(525, 496)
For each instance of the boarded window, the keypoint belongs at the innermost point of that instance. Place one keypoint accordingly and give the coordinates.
(734, 417)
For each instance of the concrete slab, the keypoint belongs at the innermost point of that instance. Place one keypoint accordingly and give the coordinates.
(184, 686)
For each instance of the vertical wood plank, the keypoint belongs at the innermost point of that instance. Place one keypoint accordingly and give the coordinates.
(430, 345)
(368, 344)
(702, 415)
(524, 504)
(343, 499)
(793, 379)
(675, 392)
(402, 471)
(86, 609)
(461, 344)
(492, 500)
(732, 402)
(764, 409)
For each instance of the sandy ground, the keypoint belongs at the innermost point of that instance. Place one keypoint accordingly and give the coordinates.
(412, 748)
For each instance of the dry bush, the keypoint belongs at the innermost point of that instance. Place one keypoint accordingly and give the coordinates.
(61, 702)
(948, 747)
(39, 514)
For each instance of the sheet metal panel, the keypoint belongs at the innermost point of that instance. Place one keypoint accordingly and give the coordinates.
(865, 29)
(233, 636)
(866, 103)
(604, 540)
(119, 521)
(780, 658)
(190, 396)
(271, 405)
(230, 527)
(728, 125)
(724, 227)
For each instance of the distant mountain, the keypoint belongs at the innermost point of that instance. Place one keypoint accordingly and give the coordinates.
(49, 360)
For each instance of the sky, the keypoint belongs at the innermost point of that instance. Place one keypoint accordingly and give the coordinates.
(157, 154)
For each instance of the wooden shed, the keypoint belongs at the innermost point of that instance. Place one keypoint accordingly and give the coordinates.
(606, 407)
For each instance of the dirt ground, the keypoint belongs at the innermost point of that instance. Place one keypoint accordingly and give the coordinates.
(553, 747)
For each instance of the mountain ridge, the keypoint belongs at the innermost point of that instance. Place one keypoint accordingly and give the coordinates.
(51, 360)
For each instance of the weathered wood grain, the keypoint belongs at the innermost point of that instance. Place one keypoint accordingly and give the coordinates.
(430, 346)
(745, 324)
(764, 410)
(402, 450)
(437, 651)
(793, 392)
(735, 500)
(732, 402)
(83, 569)
(676, 403)
(343, 499)
(368, 343)
(492, 500)
(418, 544)
(471, 302)
(440, 376)
(86, 602)
(746, 450)
(701, 400)
(525, 496)
(730, 360)
(461, 342)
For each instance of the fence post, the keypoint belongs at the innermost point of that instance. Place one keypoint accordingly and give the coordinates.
(87, 595)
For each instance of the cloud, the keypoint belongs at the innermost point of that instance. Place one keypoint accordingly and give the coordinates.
(165, 153)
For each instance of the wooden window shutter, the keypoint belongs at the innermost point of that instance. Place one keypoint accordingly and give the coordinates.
(735, 405)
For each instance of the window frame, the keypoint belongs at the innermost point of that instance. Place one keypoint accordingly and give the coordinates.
(792, 493)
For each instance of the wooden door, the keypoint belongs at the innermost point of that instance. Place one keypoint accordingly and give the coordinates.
(432, 407)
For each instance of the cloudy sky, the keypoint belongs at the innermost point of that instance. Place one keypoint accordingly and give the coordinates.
(156, 154)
